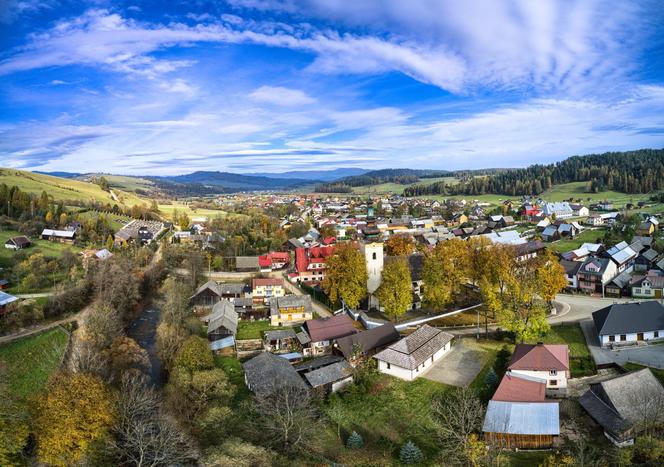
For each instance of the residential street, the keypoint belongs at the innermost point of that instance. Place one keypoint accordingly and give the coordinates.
(580, 307)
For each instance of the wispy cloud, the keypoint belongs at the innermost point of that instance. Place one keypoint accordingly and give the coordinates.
(278, 95)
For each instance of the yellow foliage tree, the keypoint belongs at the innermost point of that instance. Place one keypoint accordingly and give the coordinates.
(399, 245)
(346, 276)
(75, 412)
(395, 293)
(444, 273)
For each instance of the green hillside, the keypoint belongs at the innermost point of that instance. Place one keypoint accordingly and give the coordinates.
(65, 189)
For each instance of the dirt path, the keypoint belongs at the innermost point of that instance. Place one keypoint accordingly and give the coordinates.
(37, 329)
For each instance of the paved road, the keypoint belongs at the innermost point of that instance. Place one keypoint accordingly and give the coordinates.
(580, 307)
(322, 311)
(459, 367)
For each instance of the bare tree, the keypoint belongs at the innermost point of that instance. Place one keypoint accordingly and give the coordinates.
(287, 416)
(144, 435)
(458, 414)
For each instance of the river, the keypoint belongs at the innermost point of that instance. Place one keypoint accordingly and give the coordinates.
(144, 331)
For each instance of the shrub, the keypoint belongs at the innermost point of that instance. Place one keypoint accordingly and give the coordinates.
(355, 441)
(194, 355)
(410, 454)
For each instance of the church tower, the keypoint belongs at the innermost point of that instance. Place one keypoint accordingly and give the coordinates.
(373, 257)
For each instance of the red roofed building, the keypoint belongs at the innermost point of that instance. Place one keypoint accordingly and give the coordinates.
(273, 260)
(515, 387)
(323, 331)
(310, 263)
(545, 361)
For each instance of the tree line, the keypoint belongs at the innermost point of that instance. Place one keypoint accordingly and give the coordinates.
(640, 171)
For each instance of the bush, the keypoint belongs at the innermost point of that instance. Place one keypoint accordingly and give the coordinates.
(355, 441)
(194, 355)
(410, 454)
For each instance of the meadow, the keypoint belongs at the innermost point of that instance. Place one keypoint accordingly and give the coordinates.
(49, 249)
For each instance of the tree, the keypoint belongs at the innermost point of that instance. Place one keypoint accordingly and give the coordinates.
(550, 277)
(75, 413)
(355, 441)
(238, 453)
(117, 284)
(491, 378)
(458, 415)
(176, 304)
(194, 355)
(444, 271)
(102, 325)
(109, 242)
(346, 276)
(395, 293)
(170, 338)
(400, 245)
(183, 221)
(410, 454)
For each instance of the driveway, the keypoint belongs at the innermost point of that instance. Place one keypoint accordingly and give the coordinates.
(458, 367)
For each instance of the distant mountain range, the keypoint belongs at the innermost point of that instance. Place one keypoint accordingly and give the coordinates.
(321, 175)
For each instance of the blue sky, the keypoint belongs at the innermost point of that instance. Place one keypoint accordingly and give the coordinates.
(271, 85)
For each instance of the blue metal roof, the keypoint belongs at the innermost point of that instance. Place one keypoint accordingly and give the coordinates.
(522, 418)
(6, 299)
(290, 356)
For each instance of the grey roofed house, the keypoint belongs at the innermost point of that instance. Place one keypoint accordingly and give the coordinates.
(645, 241)
(266, 372)
(616, 248)
(411, 351)
(279, 334)
(522, 418)
(570, 267)
(223, 316)
(233, 288)
(246, 263)
(329, 374)
(620, 403)
(209, 285)
(368, 340)
(637, 246)
(303, 337)
(622, 280)
(624, 255)
(317, 362)
(650, 255)
(626, 318)
(290, 301)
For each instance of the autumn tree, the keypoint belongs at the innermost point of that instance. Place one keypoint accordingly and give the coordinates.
(400, 245)
(75, 413)
(346, 276)
(176, 301)
(395, 293)
(444, 272)
(194, 355)
(550, 276)
(117, 284)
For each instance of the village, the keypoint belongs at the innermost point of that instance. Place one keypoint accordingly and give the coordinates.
(274, 312)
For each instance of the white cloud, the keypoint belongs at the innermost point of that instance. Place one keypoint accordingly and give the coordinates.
(278, 95)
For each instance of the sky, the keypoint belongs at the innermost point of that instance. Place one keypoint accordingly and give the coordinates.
(160, 88)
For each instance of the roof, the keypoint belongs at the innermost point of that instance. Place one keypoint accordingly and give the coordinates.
(279, 334)
(617, 247)
(20, 241)
(223, 315)
(246, 262)
(600, 263)
(305, 256)
(520, 388)
(209, 285)
(618, 403)
(266, 372)
(623, 318)
(59, 233)
(570, 267)
(265, 282)
(290, 301)
(329, 374)
(522, 418)
(368, 340)
(323, 329)
(529, 247)
(650, 255)
(623, 255)
(317, 362)
(414, 349)
(540, 357)
(6, 299)
(232, 288)
(622, 280)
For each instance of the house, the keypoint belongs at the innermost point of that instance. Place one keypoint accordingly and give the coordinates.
(4, 284)
(17, 243)
(91, 256)
(569, 230)
(330, 378)
(517, 387)
(646, 228)
(367, 343)
(649, 286)
(579, 210)
(310, 263)
(263, 289)
(206, 295)
(646, 260)
(524, 425)
(595, 273)
(550, 234)
(138, 231)
(548, 362)
(561, 210)
(266, 373)
(222, 324)
(594, 221)
(529, 250)
(629, 323)
(620, 286)
(571, 270)
(60, 236)
(5, 301)
(273, 260)
(623, 256)
(543, 224)
(280, 339)
(625, 405)
(411, 356)
(507, 237)
(246, 264)
(290, 309)
(323, 331)
(234, 290)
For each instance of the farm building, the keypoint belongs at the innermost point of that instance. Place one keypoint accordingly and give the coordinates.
(61, 236)
(18, 243)
(629, 323)
(523, 425)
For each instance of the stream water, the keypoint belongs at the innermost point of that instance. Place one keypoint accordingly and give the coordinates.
(144, 331)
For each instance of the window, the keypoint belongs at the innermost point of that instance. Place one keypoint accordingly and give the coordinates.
(553, 382)
(389, 366)
(553, 372)
(656, 334)
(432, 359)
(373, 256)
(623, 337)
(612, 338)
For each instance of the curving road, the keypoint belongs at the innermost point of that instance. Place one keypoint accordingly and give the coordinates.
(577, 308)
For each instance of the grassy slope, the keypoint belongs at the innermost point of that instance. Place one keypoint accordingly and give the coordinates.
(587, 236)
(49, 249)
(63, 189)
(32, 360)
(397, 187)
(127, 183)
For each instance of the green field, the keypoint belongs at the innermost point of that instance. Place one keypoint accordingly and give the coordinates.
(49, 249)
(397, 188)
(581, 361)
(166, 211)
(568, 244)
(253, 329)
(30, 361)
(64, 189)
(126, 183)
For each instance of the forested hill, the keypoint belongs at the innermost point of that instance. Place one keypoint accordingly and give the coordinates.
(376, 177)
(639, 171)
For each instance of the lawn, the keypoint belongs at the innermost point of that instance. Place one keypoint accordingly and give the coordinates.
(64, 189)
(581, 362)
(49, 249)
(397, 188)
(568, 244)
(233, 369)
(659, 374)
(253, 329)
(166, 210)
(30, 361)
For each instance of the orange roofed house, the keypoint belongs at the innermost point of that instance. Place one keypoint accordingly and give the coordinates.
(544, 361)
